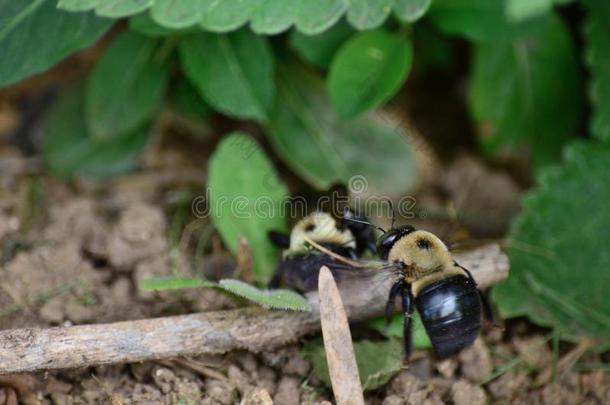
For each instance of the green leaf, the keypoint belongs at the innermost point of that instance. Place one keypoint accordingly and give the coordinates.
(409, 11)
(377, 362)
(125, 88)
(69, 151)
(233, 72)
(121, 8)
(34, 36)
(319, 49)
(145, 25)
(383, 61)
(558, 248)
(274, 16)
(435, 50)
(228, 15)
(597, 31)
(77, 5)
(179, 13)
(518, 88)
(324, 150)
(315, 16)
(246, 199)
(395, 330)
(519, 10)
(187, 101)
(480, 20)
(273, 299)
(368, 14)
(173, 283)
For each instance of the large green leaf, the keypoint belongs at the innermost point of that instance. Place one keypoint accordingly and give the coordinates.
(324, 150)
(233, 72)
(315, 16)
(125, 88)
(186, 100)
(145, 25)
(519, 10)
(77, 5)
(528, 91)
(246, 199)
(319, 49)
(34, 36)
(274, 16)
(121, 8)
(265, 16)
(597, 31)
(558, 248)
(383, 60)
(179, 13)
(70, 151)
(479, 20)
(377, 362)
(368, 14)
(410, 11)
(228, 15)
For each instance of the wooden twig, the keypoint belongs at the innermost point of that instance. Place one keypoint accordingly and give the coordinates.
(340, 356)
(252, 328)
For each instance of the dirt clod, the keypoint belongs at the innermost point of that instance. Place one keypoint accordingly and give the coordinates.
(218, 392)
(287, 392)
(557, 394)
(139, 235)
(509, 385)
(476, 363)
(533, 351)
(447, 367)
(465, 393)
(258, 396)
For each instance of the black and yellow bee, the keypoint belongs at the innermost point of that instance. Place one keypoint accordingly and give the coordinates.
(424, 274)
(301, 260)
(444, 293)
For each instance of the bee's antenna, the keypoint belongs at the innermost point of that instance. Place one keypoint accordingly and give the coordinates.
(393, 213)
(365, 223)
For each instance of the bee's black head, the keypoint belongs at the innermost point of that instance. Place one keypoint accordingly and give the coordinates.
(388, 239)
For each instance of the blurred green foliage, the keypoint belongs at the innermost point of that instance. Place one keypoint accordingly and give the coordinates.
(377, 361)
(313, 92)
(557, 248)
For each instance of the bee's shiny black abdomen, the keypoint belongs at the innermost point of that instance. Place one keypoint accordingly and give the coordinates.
(450, 310)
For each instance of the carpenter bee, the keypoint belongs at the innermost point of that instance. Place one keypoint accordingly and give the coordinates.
(335, 243)
(444, 293)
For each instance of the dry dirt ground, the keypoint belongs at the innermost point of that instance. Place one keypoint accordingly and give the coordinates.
(75, 253)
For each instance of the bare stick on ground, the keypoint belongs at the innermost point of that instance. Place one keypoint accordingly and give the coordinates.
(340, 355)
(252, 328)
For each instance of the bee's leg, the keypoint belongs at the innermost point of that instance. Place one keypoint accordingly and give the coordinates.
(352, 254)
(274, 283)
(389, 306)
(407, 308)
(279, 239)
(488, 312)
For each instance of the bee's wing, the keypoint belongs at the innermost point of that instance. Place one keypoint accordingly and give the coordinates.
(367, 286)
